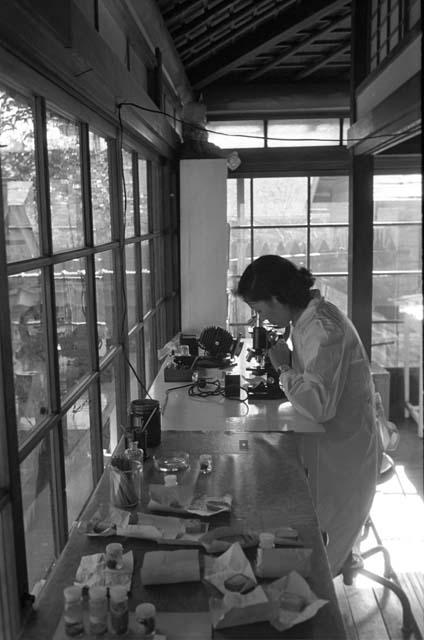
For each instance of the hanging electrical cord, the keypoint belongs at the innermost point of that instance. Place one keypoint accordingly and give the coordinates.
(241, 135)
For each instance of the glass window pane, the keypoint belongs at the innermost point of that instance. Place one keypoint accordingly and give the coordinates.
(239, 313)
(29, 351)
(71, 317)
(329, 249)
(65, 183)
(397, 248)
(128, 193)
(387, 344)
(18, 177)
(240, 251)
(111, 430)
(36, 485)
(389, 293)
(131, 285)
(346, 127)
(334, 289)
(304, 133)
(137, 362)
(236, 134)
(280, 201)
(289, 243)
(238, 202)
(160, 270)
(329, 199)
(100, 195)
(149, 352)
(105, 300)
(146, 279)
(144, 196)
(397, 198)
(78, 466)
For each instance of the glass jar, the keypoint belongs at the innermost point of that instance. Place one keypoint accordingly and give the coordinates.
(98, 610)
(73, 611)
(145, 616)
(118, 609)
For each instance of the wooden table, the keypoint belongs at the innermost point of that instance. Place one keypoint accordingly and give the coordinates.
(218, 413)
(269, 488)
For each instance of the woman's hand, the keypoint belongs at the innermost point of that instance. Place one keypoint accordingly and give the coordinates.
(279, 354)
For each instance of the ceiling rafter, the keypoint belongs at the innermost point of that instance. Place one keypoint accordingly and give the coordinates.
(229, 39)
(298, 47)
(305, 18)
(174, 15)
(215, 15)
(324, 60)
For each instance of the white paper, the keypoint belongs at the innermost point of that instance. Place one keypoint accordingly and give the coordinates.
(92, 571)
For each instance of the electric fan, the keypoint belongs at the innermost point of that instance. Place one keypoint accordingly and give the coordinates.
(218, 344)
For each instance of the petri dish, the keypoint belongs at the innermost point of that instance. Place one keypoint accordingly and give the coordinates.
(172, 461)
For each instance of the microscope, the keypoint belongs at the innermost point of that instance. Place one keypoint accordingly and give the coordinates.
(265, 379)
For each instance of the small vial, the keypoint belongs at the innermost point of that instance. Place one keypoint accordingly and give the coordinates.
(73, 612)
(266, 541)
(205, 461)
(98, 610)
(145, 615)
(114, 553)
(118, 609)
(170, 480)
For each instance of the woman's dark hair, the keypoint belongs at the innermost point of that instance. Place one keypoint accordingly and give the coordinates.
(272, 275)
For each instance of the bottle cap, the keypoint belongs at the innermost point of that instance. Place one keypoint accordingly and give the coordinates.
(170, 480)
(72, 593)
(97, 592)
(145, 610)
(118, 593)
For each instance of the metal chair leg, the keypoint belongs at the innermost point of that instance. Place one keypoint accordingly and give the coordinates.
(408, 621)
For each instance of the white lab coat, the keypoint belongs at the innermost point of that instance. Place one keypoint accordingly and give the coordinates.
(331, 383)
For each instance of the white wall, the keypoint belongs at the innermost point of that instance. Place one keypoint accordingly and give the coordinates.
(204, 243)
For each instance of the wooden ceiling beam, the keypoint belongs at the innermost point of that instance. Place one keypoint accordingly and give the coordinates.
(303, 17)
(236, 34)
(218, 13)
(298, 47)
(324, 60)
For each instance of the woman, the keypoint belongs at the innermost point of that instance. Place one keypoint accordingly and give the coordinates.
(327, 378)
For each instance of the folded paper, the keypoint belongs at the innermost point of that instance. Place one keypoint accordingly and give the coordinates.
(293, 583)
(166, 567)
(179, 499)
(92, 571)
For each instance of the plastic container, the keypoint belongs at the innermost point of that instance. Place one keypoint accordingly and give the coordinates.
(73, 612)
(97, 610)
(118, 609)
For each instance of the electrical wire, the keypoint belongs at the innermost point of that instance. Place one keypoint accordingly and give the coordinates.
(244, 135)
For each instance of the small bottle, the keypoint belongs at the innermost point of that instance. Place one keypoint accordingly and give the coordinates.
(145, 615)
(114, 555)
(98, 610)
(73, 612)
(266, 541)
(118, 609)
(170, 480)
(135, 454)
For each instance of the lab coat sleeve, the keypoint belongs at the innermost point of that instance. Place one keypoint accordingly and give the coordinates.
(315, 391)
